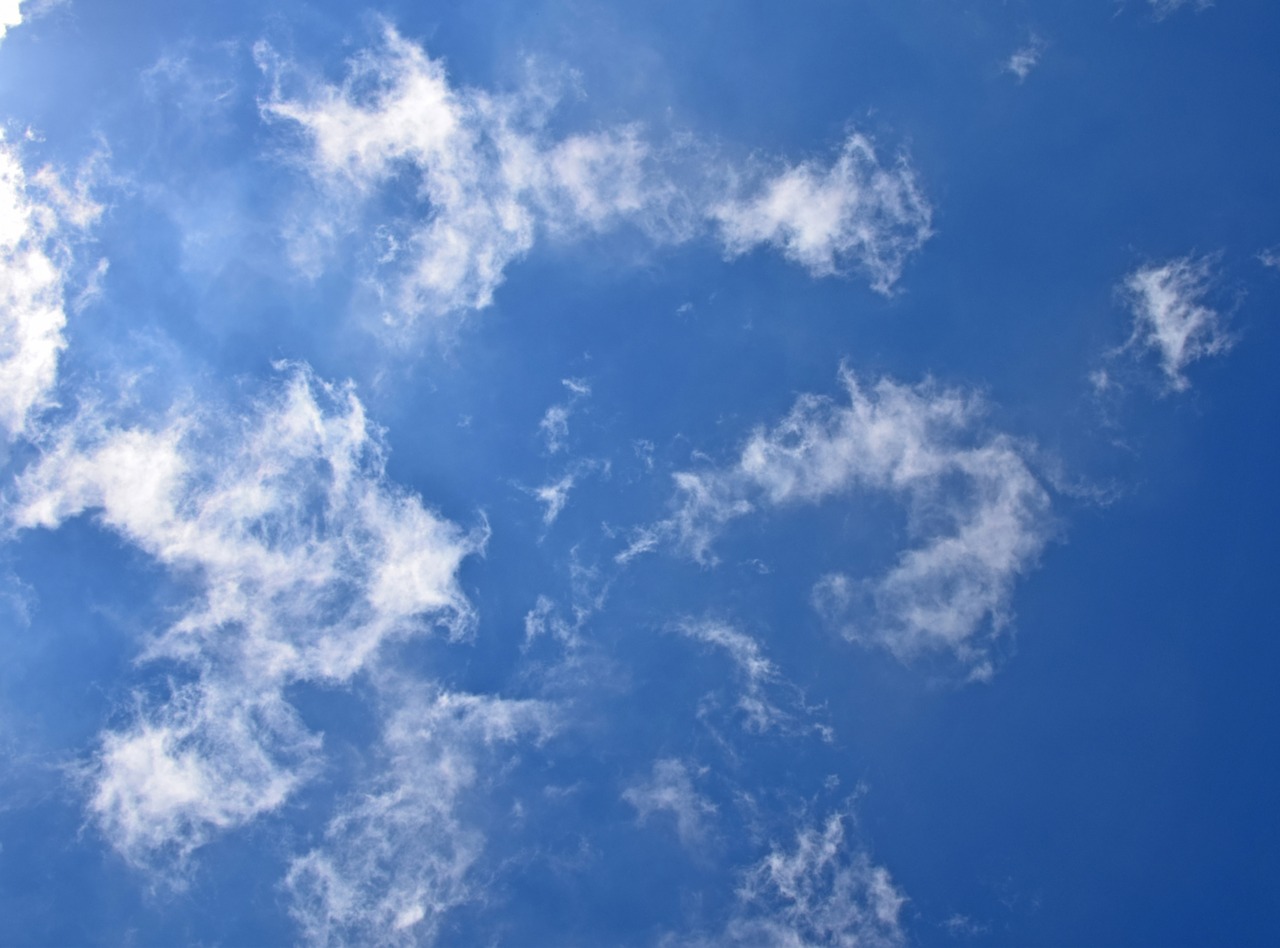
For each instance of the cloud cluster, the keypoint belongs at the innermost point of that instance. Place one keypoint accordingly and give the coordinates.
(980, 514)
(1169, 315)
(818, 893)
(481, 172)
(37, 216)
(301, 560)
(473, 178)
(855, 212)
(397, 856)
(670, 790)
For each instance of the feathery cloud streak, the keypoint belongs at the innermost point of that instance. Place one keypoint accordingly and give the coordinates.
(823, 891)
(1169, 315)
(397, 856)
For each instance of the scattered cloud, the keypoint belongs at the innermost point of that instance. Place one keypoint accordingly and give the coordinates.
(1270, 258)
(670, 789)
(760, 680)
(1169, 315)
(10, 15)
(980, 514)
(38, 215)
(818, 893)
(301, 559)
(484, 172)
(855, 212)
(478, 177)
(554, 426)
(398, 855)
(1162, 8)
(1026, 58)
(555, 494)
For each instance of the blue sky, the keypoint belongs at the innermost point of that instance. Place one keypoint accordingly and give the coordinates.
(568, 473)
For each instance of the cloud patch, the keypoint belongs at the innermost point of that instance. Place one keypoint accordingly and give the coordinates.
(670, 790)
(398, 855)
(480, 172)
(301, 561)
(38, 216)
(1170, 316)
(1025, 58)
(856, 212)
(473, 179)
(980, 516)
(820, 891)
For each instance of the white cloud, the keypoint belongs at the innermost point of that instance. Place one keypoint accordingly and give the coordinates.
(477, 177)
(855, 212)
(398, 856)
(1270, 258)
(554, 496)
(758, 675)
(302, 561)
(482, 167)
(670, 789)
(10, 15)
(211, 758)
(1026, 58)
(554, 426)
(1169, 315)
(37, 216)
(818, 893)
(980, 514)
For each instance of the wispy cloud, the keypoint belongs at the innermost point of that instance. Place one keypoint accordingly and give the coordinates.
(303, 560)
(1163, 8)
(1026, 58)
(919, 443)
(554, 426)
(486, 173)
(398, 856)
(1170, 317)
(856, 212)
(38, 216)
(670, 790)
(761, 685)
(821, 891)
(480, 177)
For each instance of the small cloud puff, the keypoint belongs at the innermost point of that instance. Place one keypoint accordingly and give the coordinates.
(1026, 58)
(1169, 315)
(670, 789)
(854, 212)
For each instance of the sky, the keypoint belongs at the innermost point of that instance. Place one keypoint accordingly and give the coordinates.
(670, 474)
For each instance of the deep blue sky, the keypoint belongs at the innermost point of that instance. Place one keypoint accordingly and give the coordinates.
(572, 473)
